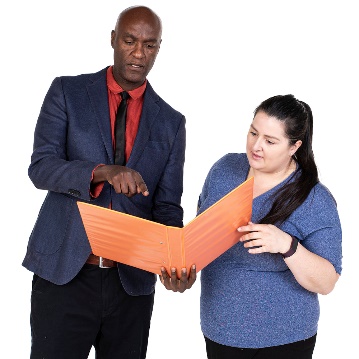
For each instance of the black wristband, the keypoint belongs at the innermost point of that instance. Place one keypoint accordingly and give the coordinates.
(292, 249)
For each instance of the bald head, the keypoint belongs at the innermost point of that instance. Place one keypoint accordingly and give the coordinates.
(140, 13)
(136, 41)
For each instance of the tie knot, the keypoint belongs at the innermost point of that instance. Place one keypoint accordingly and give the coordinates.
(124, 95)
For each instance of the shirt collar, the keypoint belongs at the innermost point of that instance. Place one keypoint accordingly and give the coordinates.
(115, 88)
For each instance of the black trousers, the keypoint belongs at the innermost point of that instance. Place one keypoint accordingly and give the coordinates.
(91, 310)
(298, 350)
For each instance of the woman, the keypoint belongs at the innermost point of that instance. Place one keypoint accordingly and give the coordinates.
(260, 298)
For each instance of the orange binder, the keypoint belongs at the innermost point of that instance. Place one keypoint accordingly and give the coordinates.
(149, 245)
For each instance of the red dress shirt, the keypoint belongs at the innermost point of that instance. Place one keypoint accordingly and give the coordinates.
(134, 109)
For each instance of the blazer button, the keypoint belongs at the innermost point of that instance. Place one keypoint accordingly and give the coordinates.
(74, 192)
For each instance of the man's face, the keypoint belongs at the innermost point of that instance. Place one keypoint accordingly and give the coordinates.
(136, 42)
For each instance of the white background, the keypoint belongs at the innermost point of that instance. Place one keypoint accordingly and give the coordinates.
(218, 61)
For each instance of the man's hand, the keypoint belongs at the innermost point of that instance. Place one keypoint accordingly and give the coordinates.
(171, 282)
(123, 179)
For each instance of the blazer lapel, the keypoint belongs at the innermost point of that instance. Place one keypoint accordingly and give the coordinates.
(149, 113)
(97, 91)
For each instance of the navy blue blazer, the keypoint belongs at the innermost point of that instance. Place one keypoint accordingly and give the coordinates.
(72, 136)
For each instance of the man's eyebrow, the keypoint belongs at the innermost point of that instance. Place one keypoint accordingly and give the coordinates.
(133, 37)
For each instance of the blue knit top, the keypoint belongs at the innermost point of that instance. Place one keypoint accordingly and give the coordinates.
(253, 300)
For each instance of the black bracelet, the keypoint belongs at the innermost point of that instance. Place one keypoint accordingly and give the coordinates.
(292, 249)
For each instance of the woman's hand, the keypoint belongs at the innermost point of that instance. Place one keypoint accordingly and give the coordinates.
(171, 282)
(311, 271)
(264, 238)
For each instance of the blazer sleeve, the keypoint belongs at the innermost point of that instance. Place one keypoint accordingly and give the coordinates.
(51, 168)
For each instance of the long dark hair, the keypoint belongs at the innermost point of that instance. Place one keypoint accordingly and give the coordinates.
(298, 125)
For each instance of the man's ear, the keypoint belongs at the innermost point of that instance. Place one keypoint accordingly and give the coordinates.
(113, 35)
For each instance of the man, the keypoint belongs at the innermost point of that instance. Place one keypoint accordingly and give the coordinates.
(79, 300)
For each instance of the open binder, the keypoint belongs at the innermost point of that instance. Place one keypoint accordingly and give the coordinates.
(149, 245)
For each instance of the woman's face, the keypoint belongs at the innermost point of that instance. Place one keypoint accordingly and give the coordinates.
(268, 148)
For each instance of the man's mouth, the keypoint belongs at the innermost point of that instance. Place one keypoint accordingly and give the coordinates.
(136, 66)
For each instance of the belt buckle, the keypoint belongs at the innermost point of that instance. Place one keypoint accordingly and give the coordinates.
(101, 265)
